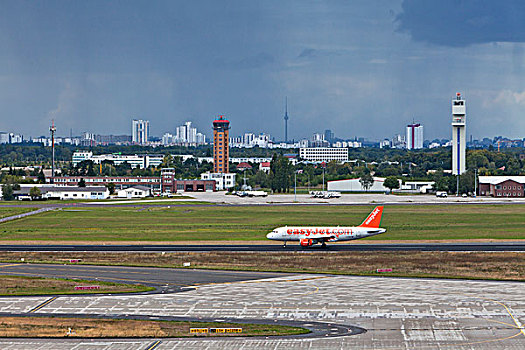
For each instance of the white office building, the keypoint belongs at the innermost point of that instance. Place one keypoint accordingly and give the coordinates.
(323, 154)
(63, 192)
(414, 136)
(224, 181)
(139, 131)
(136, 160)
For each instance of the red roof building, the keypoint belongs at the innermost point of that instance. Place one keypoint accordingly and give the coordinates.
(243, 166)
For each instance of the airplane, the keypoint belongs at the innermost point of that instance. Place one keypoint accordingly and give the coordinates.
(308, 236)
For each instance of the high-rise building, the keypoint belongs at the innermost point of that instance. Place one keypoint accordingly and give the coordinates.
(329, 135)
(139, 131)
(318, 140)
(221, 149)
(414, 139)
(4, 137)
(186, 134)
(459, 133)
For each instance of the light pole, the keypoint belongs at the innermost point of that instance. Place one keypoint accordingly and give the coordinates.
(475, 182)
(295, 186)
(308, 174)
(53, 129)
(323, 179)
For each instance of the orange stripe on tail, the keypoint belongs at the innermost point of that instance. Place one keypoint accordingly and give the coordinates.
(374, 219)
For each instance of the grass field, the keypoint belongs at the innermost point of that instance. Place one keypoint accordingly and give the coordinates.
(60, 327)
(469, 265)
(16, 285)
(247, 223)
(5, 212)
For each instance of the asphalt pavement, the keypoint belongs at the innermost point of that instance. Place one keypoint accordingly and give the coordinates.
(166, 280)
(291, 247)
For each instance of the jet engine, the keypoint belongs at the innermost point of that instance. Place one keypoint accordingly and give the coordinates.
(305, 242)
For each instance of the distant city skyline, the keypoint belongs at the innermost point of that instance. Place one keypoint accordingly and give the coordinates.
(360, 68)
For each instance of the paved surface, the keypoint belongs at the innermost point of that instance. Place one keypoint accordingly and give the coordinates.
(317, 329)
(358, 198)
(286, 199)
(166, 280)
(397, 313)
(291, 247)
(14, 217)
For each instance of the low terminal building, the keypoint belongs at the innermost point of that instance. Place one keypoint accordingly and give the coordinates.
(502, 186)
(121, 182)
(353, 185)
(63, 192)
(416, 187)
(134, 192)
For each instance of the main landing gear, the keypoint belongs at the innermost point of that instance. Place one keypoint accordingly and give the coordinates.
(284, 244)
(323, 245)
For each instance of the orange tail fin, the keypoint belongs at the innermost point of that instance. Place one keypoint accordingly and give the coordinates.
(374, 219)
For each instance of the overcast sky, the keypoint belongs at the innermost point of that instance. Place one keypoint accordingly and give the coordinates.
(360, 68)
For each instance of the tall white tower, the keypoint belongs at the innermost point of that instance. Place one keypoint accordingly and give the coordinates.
(414, 139)
(139, 131)
(459, 135)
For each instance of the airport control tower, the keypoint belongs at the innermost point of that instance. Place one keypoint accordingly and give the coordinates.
(459, 135)
(221, 149)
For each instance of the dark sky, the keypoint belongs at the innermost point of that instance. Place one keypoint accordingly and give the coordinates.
(360, 68)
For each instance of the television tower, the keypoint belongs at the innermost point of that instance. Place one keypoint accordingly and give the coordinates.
(53, 129)
(459, 137)
(286, 121)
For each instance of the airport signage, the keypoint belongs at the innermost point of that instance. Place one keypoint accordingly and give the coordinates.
(225, 330)
(87, 287)
(384, 270)
(198, 330)
(214, 330)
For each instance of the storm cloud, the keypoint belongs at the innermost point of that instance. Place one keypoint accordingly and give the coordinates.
(463, 22)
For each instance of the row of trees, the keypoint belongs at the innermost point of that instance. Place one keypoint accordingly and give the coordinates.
(385, 162)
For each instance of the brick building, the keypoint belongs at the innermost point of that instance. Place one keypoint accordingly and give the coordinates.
(170, 184)
(502, 186)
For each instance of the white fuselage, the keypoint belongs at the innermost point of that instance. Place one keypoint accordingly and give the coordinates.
(322, 233)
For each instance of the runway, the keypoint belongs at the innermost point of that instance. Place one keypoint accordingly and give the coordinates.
(166, 281)
(397, 313)
(291, 247)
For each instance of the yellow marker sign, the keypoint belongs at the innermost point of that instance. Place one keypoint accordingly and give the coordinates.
(198, 330)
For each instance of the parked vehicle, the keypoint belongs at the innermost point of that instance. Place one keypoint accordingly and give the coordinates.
(325, 194)
(256, 193)
(441, 194)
